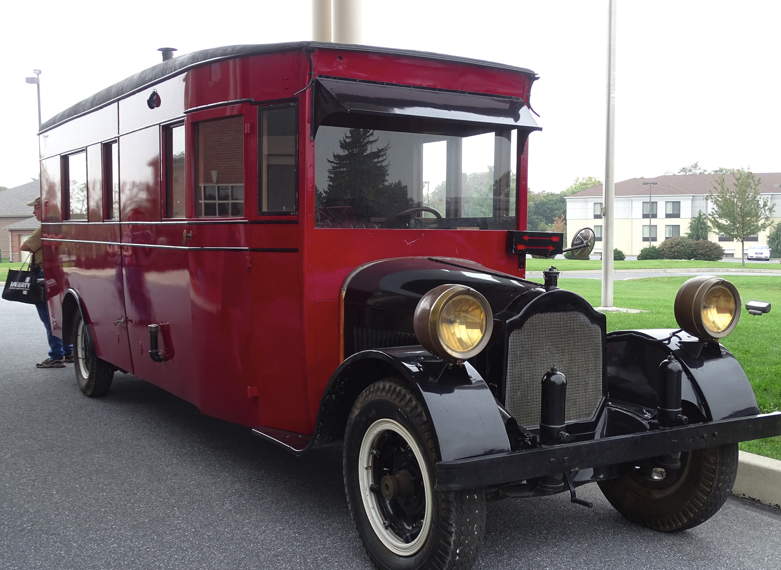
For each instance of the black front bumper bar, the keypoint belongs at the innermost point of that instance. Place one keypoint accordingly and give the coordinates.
(516, 466)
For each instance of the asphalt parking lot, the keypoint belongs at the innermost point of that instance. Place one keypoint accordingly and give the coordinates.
(141, 480)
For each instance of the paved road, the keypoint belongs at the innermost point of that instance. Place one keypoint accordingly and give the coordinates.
(624, 274)
(141, 480)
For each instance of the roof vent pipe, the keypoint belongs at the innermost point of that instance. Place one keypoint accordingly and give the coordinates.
(168, 52)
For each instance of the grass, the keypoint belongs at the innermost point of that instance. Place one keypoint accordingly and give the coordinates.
(5, 266)
(755, 341)
(595, 264)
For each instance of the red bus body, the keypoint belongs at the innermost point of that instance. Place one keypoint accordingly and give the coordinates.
(249, 308)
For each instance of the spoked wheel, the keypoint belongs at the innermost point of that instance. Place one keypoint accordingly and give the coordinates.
(389, 455)
(93, 375)
(684, 498)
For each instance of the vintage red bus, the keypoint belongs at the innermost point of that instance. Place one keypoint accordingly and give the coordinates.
(325, 243)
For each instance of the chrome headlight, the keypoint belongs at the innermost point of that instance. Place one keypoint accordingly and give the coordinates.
(707, 307)
(453, 321)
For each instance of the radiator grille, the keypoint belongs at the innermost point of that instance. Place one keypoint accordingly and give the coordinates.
(570, 342)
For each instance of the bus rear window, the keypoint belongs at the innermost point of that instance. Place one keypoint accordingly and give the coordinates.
(220, 168)
(75, 174)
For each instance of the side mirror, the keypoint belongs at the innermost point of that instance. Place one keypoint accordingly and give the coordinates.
(757, 307)
(582, 244)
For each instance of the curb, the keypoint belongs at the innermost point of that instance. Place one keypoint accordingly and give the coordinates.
(759, 478)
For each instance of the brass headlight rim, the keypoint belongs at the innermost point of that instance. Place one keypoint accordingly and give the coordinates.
(427, 317)
(689, 305)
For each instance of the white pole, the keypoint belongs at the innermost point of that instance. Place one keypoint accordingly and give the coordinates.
(321, 21)
(347, 21)
(610, 189)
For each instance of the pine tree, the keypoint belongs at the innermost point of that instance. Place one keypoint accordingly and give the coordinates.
(698, 229)
(358, 177)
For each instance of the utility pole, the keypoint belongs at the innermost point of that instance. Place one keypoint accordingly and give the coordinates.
(650, 216)
(610, 188)
(37, 81)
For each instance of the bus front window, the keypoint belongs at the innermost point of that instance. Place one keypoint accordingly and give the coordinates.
(372, 178)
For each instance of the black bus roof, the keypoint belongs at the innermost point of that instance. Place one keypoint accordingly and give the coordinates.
(175, 65)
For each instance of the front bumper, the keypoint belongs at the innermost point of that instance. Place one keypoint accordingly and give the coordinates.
(513, 467)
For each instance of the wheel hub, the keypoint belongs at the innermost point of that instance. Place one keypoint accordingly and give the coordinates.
(397, 485)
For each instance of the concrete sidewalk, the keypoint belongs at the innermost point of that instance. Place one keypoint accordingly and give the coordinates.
(759, 478)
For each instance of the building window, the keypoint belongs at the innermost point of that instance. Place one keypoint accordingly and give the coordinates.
(74, 176)
(173, 139)
(649, 209)
(220, 168)
(722, 237)
(597, 210)
(649, 233)
(278, 146)
(672, 209)
(752, 238)
(672, 231)
(598, 232)
(111, 181)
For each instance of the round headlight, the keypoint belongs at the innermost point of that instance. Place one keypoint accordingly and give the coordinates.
(453, 321)
(707, 307)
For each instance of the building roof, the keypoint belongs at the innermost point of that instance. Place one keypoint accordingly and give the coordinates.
(176, 65)
(678, 184)
(27, 224)
(13, 201)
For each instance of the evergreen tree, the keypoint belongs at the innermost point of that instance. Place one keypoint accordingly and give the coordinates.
(774, 241)
(358, 177)
(739, 210)
(698, 229)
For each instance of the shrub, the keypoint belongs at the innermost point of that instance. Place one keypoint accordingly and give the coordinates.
(706, 250)
(774, 241)
(651, 252)
(618, 255)
(676, 248)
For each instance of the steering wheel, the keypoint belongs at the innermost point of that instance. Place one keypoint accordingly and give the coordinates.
(409, 211)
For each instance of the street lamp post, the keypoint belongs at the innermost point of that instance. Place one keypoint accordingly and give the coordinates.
(37, 81)
(650, 216)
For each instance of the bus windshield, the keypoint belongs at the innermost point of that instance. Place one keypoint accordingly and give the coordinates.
(373, 178)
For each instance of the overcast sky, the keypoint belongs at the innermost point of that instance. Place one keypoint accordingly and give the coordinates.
(696, 80)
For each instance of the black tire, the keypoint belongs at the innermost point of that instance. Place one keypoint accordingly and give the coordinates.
(405, 496)
(93, 375)
(687, 498)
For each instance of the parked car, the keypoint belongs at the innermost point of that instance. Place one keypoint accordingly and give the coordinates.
(759, 253)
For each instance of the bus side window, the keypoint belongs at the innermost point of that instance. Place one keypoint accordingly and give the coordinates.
(74, 185)
(278, 146)
(173, 145)
(219, 187)
(110, 190)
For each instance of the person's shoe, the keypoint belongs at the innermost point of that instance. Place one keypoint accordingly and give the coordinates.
(51, 363)
(68, 359)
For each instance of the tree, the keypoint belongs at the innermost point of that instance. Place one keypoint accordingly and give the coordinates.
(358, 177)
(739, 210)
(544, 209)
(774, 241)
(698, 229)
(693, 168)
(581, 184)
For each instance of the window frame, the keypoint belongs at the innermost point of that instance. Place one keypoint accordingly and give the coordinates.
(266, 106)
(166, 131)
(667, 229)
(223, 113)
(597, 232)
(674, 214)
(653, 210)
(65, 185)
(108, 168)
(650, 238)
(597, 210)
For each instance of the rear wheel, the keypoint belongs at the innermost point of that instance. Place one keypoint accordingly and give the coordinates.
(684, 498)
(388, 467)
(93, 375)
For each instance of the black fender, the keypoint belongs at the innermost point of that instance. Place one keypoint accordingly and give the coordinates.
(714, 384)
(461, 406)
(71, 304)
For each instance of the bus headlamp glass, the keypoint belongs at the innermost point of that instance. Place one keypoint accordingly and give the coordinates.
(453, 321)
(707, 307)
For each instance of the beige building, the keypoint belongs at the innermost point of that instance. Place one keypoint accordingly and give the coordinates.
(13, 210)
(650, 210)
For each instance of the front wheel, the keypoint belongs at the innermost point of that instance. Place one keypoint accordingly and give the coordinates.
(388, 467)
(682, 500)
(93, 375)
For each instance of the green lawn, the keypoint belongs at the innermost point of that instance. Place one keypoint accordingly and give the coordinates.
(575, 264)
(5, 266)
(755, 342)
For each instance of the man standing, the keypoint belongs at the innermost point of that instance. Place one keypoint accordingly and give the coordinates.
(58, 354)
